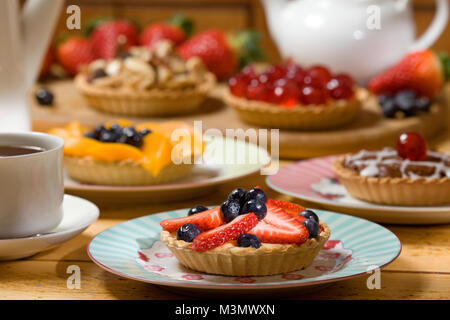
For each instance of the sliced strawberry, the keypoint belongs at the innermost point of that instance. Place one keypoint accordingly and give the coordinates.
(205, 220)
(279, 218)
(230, 231)
(289, 207)
(271, 234)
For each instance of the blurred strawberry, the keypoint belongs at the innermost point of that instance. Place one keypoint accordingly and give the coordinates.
(222, 52)
(73, 53)
(423, 72)
(175, 30)
(110, 36)
(49, 58)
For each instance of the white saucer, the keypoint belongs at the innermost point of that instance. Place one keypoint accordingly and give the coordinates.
(78, 214)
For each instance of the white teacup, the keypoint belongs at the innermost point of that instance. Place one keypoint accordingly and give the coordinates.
(31, 185)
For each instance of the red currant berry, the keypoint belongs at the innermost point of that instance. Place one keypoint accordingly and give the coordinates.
(313, 95)
(412, 146)
(313, 82)
(286, 92)
(238, 85)
(346, 79)
(320, 73)
(338, 89)
(249, 71)
(276, 72)
(256, 90)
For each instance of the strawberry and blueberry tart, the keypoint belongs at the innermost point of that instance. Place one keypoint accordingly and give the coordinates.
(410, 87)
(120, 153)
(146, 81)
(290, 97)
(412, 175)
(248, 235)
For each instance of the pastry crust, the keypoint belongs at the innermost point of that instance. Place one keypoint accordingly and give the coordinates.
(231, 260)
(125, 173)
(311, 117)
(153, 102)
(394, 191)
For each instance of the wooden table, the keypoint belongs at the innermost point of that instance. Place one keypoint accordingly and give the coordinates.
(422, 271)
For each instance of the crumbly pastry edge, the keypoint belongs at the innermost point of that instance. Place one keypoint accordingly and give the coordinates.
(393, 191)
(145, 102)
(262, 113)
(231, 260)
(124, 173)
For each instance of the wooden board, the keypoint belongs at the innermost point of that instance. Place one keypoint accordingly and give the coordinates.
(369, 130)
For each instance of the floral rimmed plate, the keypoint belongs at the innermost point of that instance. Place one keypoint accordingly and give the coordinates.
(133, 250)
(313, 180)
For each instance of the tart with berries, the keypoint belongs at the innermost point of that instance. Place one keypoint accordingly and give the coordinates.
(248, 235)
(118, 153)
(408, 176)
(290, 97)
(146, 81)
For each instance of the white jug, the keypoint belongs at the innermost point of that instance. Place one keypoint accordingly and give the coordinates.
(360, 37)
(24, 38)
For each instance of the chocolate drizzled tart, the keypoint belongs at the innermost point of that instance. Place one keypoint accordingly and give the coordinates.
(386, 178)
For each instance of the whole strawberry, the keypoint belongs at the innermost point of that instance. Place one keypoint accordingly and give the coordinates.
(112, 36)
(73, 53)
(222, 53)
(161, 31)
(423, 72)
(175, 29)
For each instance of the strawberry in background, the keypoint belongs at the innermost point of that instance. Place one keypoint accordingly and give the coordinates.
(110, 36)
(423, 72)
(176, 29)
(222, 52)
(74, 52)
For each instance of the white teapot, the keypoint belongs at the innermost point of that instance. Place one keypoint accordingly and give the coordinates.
(360, 37)
(24, 37)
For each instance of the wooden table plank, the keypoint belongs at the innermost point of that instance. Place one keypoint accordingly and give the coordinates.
(47, 280)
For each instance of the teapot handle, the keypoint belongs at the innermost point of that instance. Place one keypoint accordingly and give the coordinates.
(435, 29)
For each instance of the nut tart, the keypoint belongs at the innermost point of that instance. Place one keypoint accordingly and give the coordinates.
(290, 97)
(118, 153)
(146, 82)
(248, 235)
(409, 176)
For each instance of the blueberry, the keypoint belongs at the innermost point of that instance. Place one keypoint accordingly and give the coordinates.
(44, 97)
(383, 98)
(116, 128)
(187, 232)
(309, 214)
(99, 129)
(230, 209)
(237, 194)
(249, 240)
(255, 206)
(312, 226)
(406, 102)
(423, 104)
(130, 136)
(389, 108)
(196, 209)
(107, 136)
(144, 132)
(256, 194)
(98, 73)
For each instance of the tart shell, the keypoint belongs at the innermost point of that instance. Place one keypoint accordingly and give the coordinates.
(126, 173)
(393, 191)
(311, 117)
(154, 102)
(232, 260)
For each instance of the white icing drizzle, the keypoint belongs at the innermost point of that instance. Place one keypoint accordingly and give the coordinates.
(388, 156)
